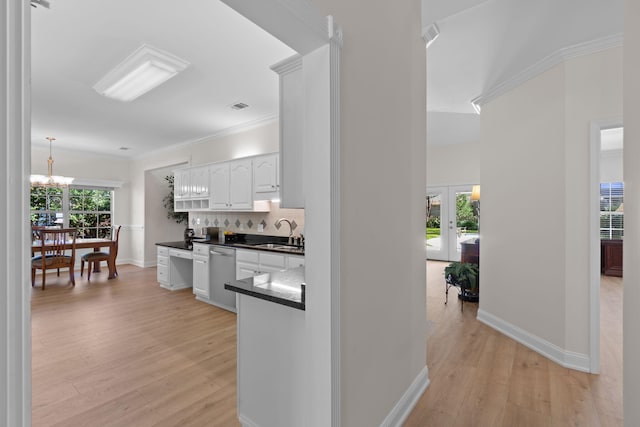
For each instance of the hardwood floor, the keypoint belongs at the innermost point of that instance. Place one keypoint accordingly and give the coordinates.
(480, 377)
(125, 352)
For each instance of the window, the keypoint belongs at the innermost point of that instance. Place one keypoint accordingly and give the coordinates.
(85, 208)
(611, 210)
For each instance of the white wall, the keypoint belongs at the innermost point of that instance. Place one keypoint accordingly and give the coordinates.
(383, 103)
(535, 198)
(632, 213)
(158, 228)
(456, 164)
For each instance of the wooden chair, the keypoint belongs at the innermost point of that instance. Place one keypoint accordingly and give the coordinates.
(57, 250)
(96, 257)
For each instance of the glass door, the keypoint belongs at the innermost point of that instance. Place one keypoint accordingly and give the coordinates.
(436, 219)
(452, 218)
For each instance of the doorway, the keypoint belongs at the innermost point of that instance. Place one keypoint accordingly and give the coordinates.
(451, 219)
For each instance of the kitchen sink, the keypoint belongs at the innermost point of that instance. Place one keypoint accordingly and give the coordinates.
(276, 246)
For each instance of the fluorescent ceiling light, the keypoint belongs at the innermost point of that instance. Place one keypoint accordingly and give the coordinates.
(143, 70)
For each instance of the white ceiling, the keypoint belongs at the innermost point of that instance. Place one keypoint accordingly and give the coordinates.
(481, 45)
(76, 42)
(485, 43)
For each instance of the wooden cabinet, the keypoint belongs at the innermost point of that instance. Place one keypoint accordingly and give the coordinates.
(291, 131)
(266, 181)
(611, 257)
(191, 189)
(295, 261)
(163, 265)
(199, 182)
(470, 251)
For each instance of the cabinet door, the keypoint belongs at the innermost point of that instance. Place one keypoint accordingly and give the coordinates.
(201, 277)
(220, 186)
(245, 270)
(240, 191)
(291, 132)
(200, 182)
(294, 261)
(265, 177)
(181, 184)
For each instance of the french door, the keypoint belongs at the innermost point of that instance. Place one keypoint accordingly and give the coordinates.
(451, 219)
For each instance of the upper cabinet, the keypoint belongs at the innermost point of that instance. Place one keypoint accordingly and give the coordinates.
(228, 185)
(240, 184)
(231, 185)
(291, 132)
(266, 179)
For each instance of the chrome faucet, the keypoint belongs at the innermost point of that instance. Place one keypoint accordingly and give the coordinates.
(281, 220)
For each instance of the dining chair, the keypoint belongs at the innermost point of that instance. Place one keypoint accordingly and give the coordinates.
(57, 249)
(95, 257)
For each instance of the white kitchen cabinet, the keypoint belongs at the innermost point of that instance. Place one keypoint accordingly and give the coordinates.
(250, 263)
(240, 184)
(181, 183)
(295, 261)
(199, 182)
(191, 187)
(266, 179)
(163, 265)
(291, 131)
(175, 269)
(220, 186)
(201, 286)
(231, 185)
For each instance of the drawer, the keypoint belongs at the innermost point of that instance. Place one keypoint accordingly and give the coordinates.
(163, 260)
(295, 261)
(201, 249)
(247, 256)
(272, 260)
(163, 251)
(163, 274)
(180, 254)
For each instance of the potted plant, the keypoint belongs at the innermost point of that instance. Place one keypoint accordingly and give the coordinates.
(465, 276)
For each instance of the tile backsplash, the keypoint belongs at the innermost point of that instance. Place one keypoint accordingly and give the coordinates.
(248, 222)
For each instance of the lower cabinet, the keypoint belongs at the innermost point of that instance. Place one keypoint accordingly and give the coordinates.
(250, 263)
(175, 270)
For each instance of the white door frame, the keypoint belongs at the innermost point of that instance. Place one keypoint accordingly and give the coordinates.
(594, 238)
(300, 26)
(442, 254)
(448, 213)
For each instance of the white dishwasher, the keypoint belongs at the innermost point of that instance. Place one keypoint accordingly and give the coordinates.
(222, 269)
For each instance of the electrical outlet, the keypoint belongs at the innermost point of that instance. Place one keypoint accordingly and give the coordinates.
(260, 228)
(198, 221)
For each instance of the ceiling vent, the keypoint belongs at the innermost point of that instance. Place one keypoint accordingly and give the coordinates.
(239, 106)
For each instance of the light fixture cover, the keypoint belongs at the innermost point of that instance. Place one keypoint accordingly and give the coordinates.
(143, 70)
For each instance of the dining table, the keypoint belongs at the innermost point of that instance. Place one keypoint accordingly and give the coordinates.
(87, 243)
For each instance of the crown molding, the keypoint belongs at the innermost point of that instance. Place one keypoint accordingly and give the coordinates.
(224, 132)
(550, 61)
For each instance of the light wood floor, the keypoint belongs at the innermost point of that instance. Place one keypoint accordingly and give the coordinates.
(480, 377)
(125, 352)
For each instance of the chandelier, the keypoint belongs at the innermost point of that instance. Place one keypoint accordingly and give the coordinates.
(51, 180)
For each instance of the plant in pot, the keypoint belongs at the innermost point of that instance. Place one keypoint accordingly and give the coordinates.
(464, 275)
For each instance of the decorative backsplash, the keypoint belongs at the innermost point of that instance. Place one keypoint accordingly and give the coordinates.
(248, 222)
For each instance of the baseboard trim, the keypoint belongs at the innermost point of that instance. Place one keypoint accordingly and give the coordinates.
(565, 358)
(405, 405)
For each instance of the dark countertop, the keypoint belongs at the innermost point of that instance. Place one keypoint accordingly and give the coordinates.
(176, 245)
(283, 287)
(243, 241)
